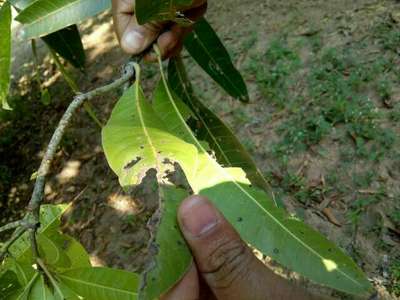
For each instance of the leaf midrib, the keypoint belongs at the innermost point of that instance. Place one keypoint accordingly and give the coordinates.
(88, 283)
(53, 12)
(212, 59)
(141, 119)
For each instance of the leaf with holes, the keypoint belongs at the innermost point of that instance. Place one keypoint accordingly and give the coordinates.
(135, 140)
(135, 130)
(166, 266)
(207, 50)
(43, 17)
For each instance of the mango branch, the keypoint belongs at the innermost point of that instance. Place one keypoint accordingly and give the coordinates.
(31, 220)
(12, 225)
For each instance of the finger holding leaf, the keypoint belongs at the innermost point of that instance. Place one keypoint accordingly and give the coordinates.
(137, 28)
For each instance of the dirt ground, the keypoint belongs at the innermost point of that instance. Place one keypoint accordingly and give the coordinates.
(331, 181)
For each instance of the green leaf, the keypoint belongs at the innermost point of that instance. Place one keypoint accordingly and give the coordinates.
(5, 53)
(23, 293)
(101, 283)
(172, 254)
(207, 50)
(40, 290)
(75, 251)
(50, 216)
(136, 131)
(23, 271)
(135, 140)
(9, 284)
(50, 249)
(49, 219)
(59, 251)
(158, 10)
(21, 4)
(68, 293)
(228, 149)
(68, 44)
(45, 97)
(46, 16)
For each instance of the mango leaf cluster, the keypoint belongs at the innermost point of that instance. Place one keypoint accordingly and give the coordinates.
(69, 274)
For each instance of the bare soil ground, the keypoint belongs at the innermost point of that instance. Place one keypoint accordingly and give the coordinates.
(340, 176)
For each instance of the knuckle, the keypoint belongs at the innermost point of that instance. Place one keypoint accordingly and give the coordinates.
(227, 263)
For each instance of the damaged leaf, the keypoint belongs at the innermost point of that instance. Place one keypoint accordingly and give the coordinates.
(172, 256)
(260, 223)
(134, 131)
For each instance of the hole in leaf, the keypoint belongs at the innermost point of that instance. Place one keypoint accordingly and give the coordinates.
(132, 163)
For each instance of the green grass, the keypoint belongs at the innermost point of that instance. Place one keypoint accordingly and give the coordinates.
(273, 71)
(395, 216)
(395, 277)
(336, 91)
(342, 94)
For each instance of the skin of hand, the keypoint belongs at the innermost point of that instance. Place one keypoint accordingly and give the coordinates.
(135, 38)
(224, 267)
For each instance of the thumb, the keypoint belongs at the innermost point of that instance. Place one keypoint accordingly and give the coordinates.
(133, 38)
(226, 263)
(136, 38)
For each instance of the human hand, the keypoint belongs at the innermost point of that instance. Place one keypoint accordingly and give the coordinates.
(225, 268)
(135, 38)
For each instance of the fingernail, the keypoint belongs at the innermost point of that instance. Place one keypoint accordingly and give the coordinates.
(133, 40)
(198, 216)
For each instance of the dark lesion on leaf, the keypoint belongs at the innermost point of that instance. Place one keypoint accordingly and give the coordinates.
(132, 163)
(177, 177)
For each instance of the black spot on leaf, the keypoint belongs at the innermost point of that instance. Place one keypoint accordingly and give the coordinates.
(132, 163)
